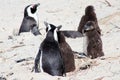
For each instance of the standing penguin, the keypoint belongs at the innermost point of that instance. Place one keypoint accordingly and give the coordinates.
(90, 15)
(30, 21)
(66, 52)
(93, 42)
(49, 57)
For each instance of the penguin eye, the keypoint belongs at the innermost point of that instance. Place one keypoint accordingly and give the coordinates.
(33, 9)
(47, 29)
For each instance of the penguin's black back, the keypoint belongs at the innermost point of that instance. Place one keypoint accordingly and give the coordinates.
(52, 59)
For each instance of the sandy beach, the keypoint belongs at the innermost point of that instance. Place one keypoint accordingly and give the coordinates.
(67, 13)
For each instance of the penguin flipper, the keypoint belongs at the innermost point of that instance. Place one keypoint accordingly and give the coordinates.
(35, 30)
(25, 26)
(72, 34)
(37, 62)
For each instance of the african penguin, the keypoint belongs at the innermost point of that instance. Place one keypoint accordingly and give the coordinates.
(66, 51)
(30, 21)
(49, 57)
(90, 15)
(93, 42)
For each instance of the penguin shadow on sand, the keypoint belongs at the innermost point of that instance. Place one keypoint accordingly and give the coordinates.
(30, 21)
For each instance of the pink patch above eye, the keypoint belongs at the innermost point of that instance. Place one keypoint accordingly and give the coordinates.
(32, 5)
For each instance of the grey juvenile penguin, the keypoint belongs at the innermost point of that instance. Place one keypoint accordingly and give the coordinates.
(92, 40)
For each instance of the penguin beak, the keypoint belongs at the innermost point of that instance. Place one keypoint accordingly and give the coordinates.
(36, 5)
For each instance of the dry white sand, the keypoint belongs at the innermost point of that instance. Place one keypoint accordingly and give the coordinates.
(59, 12)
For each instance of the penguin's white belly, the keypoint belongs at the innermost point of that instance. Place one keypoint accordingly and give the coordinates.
(41, 69)
(35, 16)
(85, 44)
(36, 19)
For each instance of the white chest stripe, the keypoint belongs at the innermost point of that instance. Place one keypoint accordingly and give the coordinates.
(49, 27)
(35, 16)
(55, 35)
(85, 44)
(41, 69)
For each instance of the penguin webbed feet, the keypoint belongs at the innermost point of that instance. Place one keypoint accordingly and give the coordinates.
(64, 75)
(36, 68)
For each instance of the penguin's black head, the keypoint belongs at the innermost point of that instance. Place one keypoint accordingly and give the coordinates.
(52, 27)
(89, 26)
(31, 9)
(89, 10)
(52, 30)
